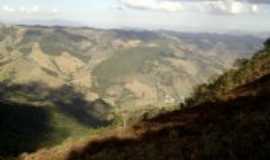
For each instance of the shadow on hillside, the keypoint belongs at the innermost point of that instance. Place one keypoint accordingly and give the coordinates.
(25, 128)
(234, 129)
(66, 99)
(73, 104)
(22, 128)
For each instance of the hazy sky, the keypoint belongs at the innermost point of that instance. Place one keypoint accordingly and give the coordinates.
(196, 15)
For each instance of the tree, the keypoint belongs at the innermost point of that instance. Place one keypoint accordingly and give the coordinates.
(267, 43)
(241, 62)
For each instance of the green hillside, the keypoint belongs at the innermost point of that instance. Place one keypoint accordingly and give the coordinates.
(232, 123)
(126, 62)
(246, 71)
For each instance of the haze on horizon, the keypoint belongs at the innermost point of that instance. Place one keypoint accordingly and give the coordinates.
(183, 15)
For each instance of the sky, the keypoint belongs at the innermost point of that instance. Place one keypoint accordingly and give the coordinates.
(183, 15)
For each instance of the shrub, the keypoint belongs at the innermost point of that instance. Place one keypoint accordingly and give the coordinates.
(267, 44)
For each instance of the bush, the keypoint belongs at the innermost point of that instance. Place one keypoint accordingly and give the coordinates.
(267, 44)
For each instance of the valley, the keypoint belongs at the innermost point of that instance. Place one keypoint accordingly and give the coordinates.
(60, 85)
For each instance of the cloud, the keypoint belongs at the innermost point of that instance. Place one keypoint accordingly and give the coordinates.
(248, 1)
(55, 11)
(21, 9)
(229, 7)
(157, 5)
(29, 10)
(6, 8)
(35, 9)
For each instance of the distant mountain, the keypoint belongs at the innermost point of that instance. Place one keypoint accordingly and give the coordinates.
(51, 22)
(126, 68)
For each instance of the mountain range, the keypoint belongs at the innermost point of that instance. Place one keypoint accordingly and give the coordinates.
(129, 69)
(85, 93)
(227, 118)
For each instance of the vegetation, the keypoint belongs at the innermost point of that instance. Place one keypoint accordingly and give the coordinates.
(54, 42)
(246, 71)
(4, 31)
(229, 119)
(213, 132)
(108, 58)
(45, 117)
(125, 62)
(267, 44)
